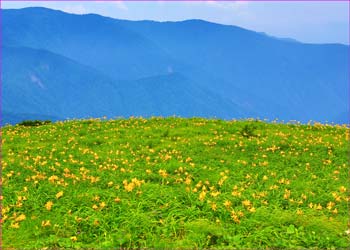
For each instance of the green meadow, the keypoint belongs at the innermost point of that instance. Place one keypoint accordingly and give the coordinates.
(175, 183)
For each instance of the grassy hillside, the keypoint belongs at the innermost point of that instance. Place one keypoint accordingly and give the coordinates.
(175, 183)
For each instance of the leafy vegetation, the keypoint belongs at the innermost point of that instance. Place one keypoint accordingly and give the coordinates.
(34, 122)
(175, 183)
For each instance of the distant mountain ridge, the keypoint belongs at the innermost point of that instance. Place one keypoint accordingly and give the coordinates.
(65, 65)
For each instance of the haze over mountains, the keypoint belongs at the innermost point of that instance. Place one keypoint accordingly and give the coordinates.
(58, 65)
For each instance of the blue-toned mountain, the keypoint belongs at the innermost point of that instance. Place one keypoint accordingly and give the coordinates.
(41, 84)
(191, 68)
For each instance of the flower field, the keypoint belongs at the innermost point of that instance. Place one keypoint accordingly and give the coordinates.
(175, 183)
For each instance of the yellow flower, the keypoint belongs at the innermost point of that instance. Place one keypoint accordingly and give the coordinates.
(214, 193)
(188, 180)
(117, 199)
(74, 238)
(102, 204)
(240, 213)
(227, 204)
(163, 173)
(236, 193)
(234, 216)
(252, 209)
(319, 207)
(14, 225)
(53, 178)
(96, 198)
(330, 205)
(202, 195)
(246, 203)
(213, 206)
(286, 194)
(45, 223)
(265, 202)
(78, 219)
(137, 182)
(20, 198)
(20, 218)
(129, 187)
(342, 189)
(95, 206)
(59, 194)
(299, 212)
(222, 180)
(48, 205)
(94, 179)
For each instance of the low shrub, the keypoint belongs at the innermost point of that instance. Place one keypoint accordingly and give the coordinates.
(31, 123)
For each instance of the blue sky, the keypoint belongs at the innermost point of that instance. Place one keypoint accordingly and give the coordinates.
(312, 22)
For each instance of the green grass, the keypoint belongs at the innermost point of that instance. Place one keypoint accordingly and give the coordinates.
(175, 183)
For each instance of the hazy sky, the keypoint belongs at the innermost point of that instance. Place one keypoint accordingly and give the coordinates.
(315, 22)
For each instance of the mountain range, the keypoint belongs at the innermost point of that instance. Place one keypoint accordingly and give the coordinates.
(57, 65)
